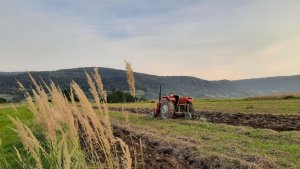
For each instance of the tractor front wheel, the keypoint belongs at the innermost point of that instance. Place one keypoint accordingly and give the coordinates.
(190, 111)
(190, 107)
(151, 114)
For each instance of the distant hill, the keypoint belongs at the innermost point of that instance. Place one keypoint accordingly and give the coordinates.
(147, 85)
(270, 85)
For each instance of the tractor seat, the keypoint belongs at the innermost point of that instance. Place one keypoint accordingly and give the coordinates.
(176, 99)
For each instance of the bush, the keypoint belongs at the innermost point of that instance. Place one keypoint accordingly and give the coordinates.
(117, 96)
(2, 100)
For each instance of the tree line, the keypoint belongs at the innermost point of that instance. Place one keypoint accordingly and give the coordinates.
(114, 96)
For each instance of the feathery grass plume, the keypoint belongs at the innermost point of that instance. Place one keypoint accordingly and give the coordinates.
(93, 91)
(55, 120)
(21, 86)
(102, 107)
(28, 98)
(126, 158)
(130, 78)
(102, 131)
(109, 142)
(38, 87)
(94, 129)
(131, 84)
(98, 80)
(93, 88)
(75, 135)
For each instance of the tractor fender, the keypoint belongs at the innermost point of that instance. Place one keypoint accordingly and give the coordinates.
(185, 99)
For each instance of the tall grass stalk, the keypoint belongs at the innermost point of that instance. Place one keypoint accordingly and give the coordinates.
(130, 78)
(142, 154)
(74, 135)
(131, 84)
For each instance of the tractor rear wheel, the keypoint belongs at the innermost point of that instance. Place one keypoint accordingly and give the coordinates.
(167, 109)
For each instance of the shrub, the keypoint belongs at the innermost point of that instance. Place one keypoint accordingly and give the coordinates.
(117, 96)
(2, 100)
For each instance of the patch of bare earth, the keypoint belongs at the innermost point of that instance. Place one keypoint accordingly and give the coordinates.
(162, 152)
(268, 121)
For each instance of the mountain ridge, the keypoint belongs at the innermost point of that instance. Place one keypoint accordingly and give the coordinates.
(147, 85)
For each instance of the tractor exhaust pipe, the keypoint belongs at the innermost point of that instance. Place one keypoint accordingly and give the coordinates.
(159, 99)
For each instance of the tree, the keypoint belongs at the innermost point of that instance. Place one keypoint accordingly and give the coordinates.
(2, 100)
(117, 96)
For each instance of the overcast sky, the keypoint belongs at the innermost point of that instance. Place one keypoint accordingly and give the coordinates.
(225, 39)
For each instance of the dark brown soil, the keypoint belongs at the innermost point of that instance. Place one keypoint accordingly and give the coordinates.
(169, 155)
(268, 121)
(155, 154)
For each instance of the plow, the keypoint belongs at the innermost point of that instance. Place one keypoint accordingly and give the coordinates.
(173, 106)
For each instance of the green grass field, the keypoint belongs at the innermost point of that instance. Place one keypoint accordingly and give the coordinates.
(281, 106)
(9, 138)
(266, 146)
(288, 106)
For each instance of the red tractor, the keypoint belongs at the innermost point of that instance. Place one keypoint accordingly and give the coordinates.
(173, 106)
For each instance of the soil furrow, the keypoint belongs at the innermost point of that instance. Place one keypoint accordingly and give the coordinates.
(159, 154)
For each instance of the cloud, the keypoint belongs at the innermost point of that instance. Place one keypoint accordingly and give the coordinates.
(207, 39)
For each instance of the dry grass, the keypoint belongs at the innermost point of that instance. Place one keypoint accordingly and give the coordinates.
(131, 84)
(130, 78)
(74, 135)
